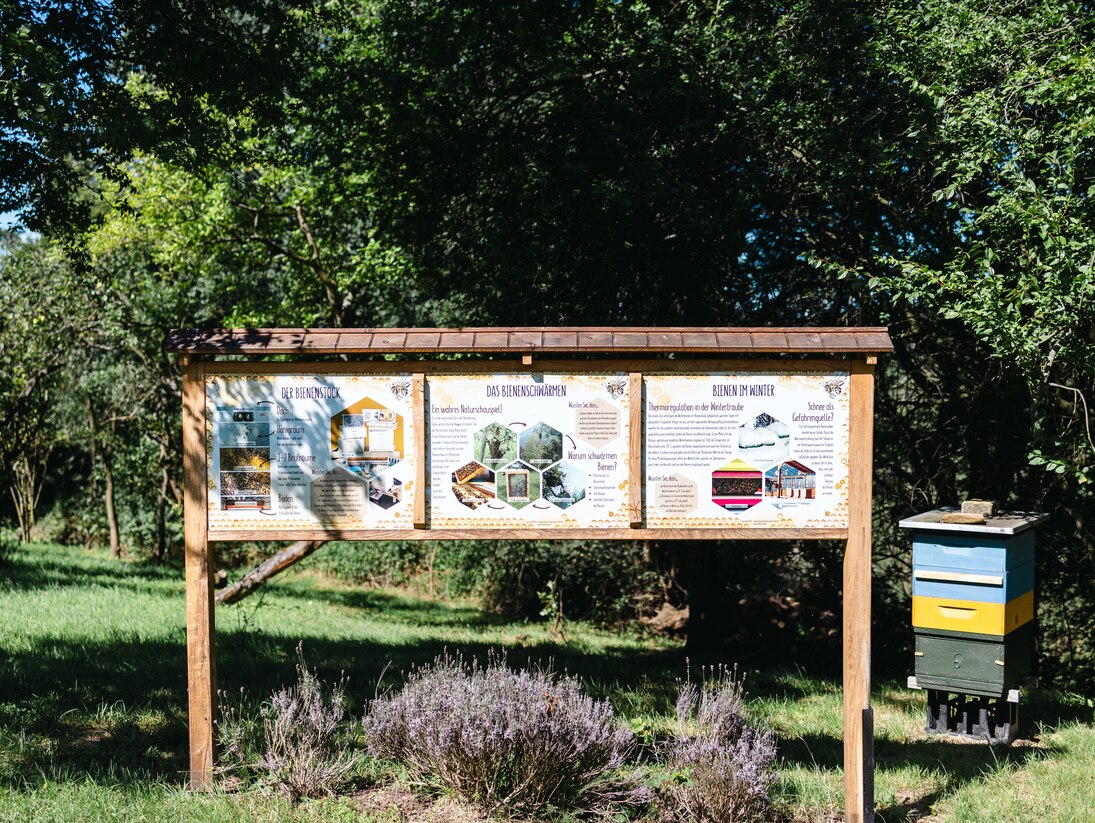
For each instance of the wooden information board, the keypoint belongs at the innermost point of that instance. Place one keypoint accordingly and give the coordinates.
(534, 433)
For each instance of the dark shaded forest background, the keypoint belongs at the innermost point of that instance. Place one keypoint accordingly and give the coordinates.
(922, 165)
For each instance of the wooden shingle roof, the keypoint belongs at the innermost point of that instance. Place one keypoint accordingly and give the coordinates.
(572, 340)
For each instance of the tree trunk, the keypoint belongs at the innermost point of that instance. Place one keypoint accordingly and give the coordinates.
(267, 569)
(105, 458)
(28, 477)
(108, 502)
(161, 505)
(704, 580)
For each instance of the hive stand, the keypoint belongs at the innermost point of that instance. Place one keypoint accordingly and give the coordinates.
(995, 719)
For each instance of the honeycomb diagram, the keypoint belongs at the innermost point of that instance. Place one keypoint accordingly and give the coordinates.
(514, 470)
(367, 441)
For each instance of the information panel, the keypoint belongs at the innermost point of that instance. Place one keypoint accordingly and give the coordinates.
(330, 451)
(527, 452)
(747, 449)
(520, 451)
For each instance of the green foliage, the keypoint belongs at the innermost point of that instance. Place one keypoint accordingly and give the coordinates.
(565, 163)
(999, 134)
(1007, 96)
(604, 582)
(374, 564)
(8, 544)
(299, 246)
(42, 297)
(71, 110)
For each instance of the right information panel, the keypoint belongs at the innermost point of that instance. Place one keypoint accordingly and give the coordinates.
(747, 450)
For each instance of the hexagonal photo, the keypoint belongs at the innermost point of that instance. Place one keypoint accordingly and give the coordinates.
(495, 445)
(519, 485)
(790, 480)
(564, 484)
(736, 486)
(541, 445)
(473, 484)
(366, 441)
(764, 439)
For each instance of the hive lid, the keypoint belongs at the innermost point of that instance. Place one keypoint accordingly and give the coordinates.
(999, 523)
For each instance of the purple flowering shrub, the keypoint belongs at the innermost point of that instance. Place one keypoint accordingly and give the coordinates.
(239, 736)
(520, 740)
(728, 764)
(308, 748)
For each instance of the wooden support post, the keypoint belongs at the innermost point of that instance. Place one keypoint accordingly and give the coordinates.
(635, 449)
(418, 406)
(858, 732)
(200, 641)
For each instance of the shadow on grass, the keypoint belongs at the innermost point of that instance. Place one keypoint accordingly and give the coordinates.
(101, 709)
(115, 709)
(397, 607)
(957, 762)
(112, 705)
(50, 569)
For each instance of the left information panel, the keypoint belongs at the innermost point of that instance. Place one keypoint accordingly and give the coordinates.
(306, 451)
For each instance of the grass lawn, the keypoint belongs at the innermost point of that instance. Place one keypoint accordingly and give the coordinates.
(93, 695)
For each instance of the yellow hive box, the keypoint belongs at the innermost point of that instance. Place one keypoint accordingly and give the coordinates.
(973, 616)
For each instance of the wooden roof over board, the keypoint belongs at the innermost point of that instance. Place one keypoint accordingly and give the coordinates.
(572, 340)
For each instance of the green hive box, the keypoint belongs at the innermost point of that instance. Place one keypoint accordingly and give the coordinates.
(986, 665)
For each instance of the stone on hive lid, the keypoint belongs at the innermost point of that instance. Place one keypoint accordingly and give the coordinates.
(985, 508)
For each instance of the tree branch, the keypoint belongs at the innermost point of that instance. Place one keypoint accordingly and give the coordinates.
(267, 569)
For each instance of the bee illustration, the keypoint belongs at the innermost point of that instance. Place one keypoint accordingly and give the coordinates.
(616, 388)
(834, 386)
(401, 388)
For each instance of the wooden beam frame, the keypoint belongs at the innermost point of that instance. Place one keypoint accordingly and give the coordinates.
(200, 621)
(859, 353)
(418, 399)
(858, 714)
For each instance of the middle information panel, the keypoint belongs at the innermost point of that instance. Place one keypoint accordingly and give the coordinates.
(513, 451)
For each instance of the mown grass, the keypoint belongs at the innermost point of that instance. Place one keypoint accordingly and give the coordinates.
(92, 700)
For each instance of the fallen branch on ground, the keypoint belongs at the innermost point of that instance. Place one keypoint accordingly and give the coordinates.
(267, 569)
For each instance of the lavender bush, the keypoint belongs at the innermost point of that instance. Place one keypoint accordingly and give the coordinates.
(519, 740)
(239, 736)
(729, 765)
(307, 751)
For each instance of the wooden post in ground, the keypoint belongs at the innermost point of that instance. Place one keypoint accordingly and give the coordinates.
(200, 659)
(858, 718)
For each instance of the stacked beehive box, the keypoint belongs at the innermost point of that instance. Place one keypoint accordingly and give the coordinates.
(973, 616)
